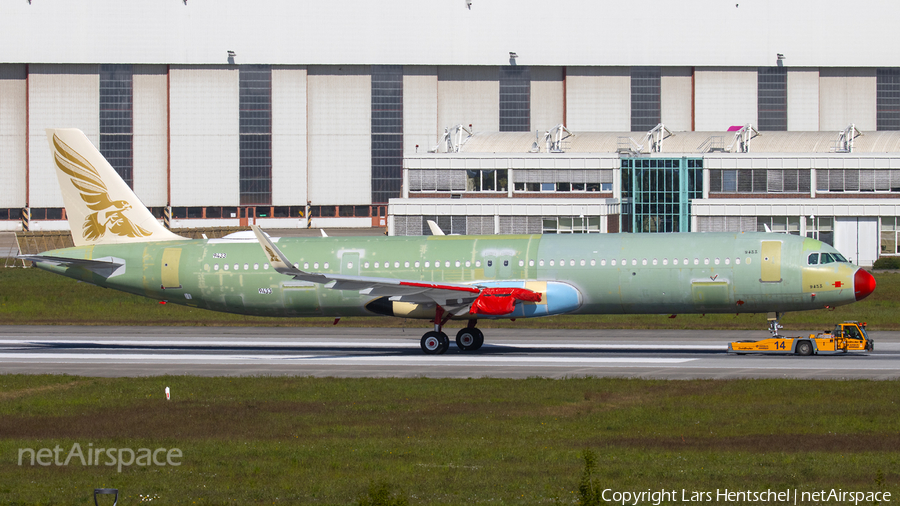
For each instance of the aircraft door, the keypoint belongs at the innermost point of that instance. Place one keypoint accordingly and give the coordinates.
(770, 267)
(170, 260)
(350, 263)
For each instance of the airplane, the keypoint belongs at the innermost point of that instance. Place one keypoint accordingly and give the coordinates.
(120, 245)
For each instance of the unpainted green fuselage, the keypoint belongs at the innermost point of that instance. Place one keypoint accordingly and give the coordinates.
(612, 273)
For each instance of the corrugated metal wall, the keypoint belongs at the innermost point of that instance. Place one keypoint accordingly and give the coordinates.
(725, 97)
(803, 99)
(675, 98)
(846, 96)
(289, 156)
(420, 108)
(204, 138)
(546, 97)
(469, 96)
(12, 135)
(150, 101)
(59, 96)
(340, 140)
(598, 99)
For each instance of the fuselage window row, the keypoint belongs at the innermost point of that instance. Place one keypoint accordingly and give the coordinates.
(813, 259)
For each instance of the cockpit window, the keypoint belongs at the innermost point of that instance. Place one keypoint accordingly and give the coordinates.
(827, 258)
(838, 257)
(813, 259)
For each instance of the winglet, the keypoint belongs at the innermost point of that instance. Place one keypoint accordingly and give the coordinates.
(435, 229)
(100, 206)
(278, 260)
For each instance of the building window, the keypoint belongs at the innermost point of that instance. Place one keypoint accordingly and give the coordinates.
(437, 180)
(887, 99)
(256, 134)
(890, 227)
(821, 228)
(515, 99)
(487, 180)
(778, 224)
(571, 225)
(455, 225)
(759, 181)
(726, 224)
(568, 180)
(117, 119)
(645, 98)
(772, 98)
(387, 132)
(657, 193)
(858, 180)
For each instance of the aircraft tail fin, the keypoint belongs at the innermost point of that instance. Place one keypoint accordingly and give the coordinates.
(100, 206)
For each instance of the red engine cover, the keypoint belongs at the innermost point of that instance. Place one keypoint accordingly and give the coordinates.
(500, 301)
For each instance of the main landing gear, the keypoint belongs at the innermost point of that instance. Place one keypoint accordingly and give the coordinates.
(436, 342)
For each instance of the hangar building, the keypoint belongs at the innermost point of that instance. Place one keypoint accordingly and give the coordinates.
(489, 117)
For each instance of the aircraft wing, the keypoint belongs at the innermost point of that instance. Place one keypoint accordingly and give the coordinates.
(449, 295)
(106, 267)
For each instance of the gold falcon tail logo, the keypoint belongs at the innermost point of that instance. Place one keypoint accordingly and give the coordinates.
(109, 215)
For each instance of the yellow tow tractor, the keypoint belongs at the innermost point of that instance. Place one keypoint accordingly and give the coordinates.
(846, 337)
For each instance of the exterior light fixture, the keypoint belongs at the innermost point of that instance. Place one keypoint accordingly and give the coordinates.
(231, 55)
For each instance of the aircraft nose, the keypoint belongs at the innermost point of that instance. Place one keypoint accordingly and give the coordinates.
(863, 284)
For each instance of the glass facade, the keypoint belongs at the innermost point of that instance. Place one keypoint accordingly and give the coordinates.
(887, 99)
(387, 132)
(657, 193)
(515, 99)
(645, 98)
(117, 119)
(256, 134)
(772, 98)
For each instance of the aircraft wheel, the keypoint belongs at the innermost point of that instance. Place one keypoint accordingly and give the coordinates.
(804, 348)
(435, 343)
(469, 339)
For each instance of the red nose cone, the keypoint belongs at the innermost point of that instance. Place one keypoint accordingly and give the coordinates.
(863, 284)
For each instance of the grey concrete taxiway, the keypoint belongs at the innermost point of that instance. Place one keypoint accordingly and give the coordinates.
(355, 352)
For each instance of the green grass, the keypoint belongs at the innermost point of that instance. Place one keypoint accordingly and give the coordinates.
(35, 297)
(468, 441)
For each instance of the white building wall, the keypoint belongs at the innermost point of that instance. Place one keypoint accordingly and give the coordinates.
(59, 96)
(340, 140)
(803, 100)
(420, 108)
(598, 99)
(205, 159)
(725, 97)
(12, 135)
(847, 95)
(546, 97)
(150, 100)
(469, 96)
(676, 100)
(416, 32)
(289, 156)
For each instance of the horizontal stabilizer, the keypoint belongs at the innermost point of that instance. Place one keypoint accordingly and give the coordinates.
(107, 267)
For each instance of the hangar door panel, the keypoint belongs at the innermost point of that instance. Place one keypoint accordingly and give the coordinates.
(857, 238)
